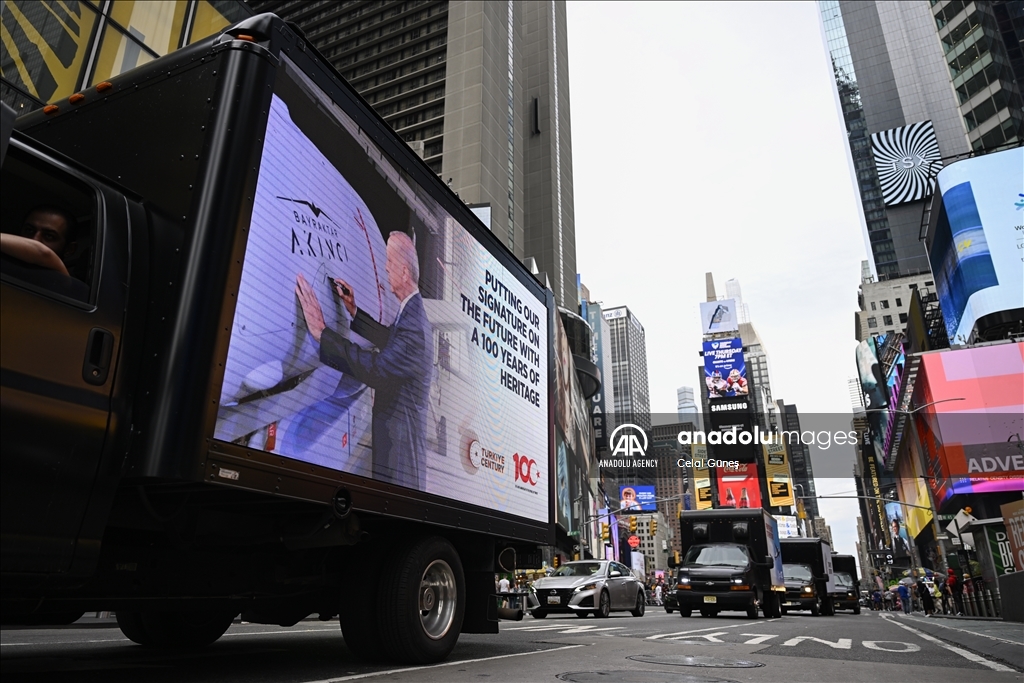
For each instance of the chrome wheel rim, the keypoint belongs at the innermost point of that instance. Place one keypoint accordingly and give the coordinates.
(437, 598)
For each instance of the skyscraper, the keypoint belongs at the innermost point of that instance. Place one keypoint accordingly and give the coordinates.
(918, 83)
(799, 459)
(481, 91)
(686, 406)
(629, 367)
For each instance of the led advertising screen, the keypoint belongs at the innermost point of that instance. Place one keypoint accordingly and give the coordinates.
(975, 246)
(968, 436)
(893, 383)
(897, 531)
(637, 497)
(739, 487)
(725, 372)
(372, 333)
(702, 478)
(719, 316)
(874, 386)
(776, 471)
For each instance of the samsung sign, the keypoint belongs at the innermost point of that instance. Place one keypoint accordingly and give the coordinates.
(977, 240)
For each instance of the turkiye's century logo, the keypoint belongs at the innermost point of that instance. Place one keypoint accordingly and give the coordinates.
(486, 458)
(625, 441)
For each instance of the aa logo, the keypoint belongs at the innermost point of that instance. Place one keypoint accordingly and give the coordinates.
(625, 440)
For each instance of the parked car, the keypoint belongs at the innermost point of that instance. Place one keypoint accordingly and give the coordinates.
(669, 601)
(584, 587)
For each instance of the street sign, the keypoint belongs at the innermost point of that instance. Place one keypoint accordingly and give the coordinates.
(633, 541)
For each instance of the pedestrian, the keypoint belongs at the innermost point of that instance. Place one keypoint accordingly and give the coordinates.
(956, 589)
(876, 601)
(657, 594)
(888, 600)
(904, 598)
(927, 600)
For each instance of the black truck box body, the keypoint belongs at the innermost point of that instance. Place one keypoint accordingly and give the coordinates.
(228, 169)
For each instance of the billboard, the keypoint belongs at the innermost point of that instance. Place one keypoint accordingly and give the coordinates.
(897, 531)
(893, 383)
(975, 245)
(373, 334)
(968, 436)
(739, 487)
(701, 478)
(725, 372)
(603, 400)
(874, 386)
(777, 474)
(719, 316)
(789, 527)
(906, 159)
(637, 497)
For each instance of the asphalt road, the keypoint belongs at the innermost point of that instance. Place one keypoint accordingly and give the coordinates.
(657, 648)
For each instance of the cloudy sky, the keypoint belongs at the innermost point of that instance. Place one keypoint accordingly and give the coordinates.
(707, 137)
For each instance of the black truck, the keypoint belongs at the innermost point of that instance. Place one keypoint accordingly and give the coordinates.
(282, 370)
(847, 592)
(730, 560)
(810, 584)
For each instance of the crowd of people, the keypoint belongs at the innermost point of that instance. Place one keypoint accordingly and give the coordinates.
(943, 595)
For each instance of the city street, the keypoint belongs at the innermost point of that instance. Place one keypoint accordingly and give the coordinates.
(655, 648)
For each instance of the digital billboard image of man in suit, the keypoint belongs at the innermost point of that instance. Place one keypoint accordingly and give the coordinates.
(398, 368)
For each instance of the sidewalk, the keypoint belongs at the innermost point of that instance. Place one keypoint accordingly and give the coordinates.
(1003, 640)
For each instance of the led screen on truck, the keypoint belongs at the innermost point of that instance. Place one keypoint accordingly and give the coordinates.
(373, 334)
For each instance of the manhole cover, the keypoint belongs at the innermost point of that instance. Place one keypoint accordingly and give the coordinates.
(636, 677)
(687, 660)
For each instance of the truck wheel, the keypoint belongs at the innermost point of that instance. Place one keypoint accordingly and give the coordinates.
(422, 601)
(130, 623)
(538, 614)
(184, 630)
(828, 607)
(773, 606)
(641, 606)
(752, 612)
(359, 619)
(604, 606)
(856, 609)
(815, 608)
(784, 611)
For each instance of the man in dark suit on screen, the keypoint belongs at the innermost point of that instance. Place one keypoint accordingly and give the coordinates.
(398, 368)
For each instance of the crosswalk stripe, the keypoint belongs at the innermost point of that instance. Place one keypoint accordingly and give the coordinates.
(698, 630)
(970, 656)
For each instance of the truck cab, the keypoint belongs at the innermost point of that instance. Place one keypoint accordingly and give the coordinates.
(809, 579)
(847, 593)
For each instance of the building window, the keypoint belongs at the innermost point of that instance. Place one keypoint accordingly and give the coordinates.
(872, 322)
(903, 318)
(887, 320)
(899, 302)
(873, 308)
(885, 303)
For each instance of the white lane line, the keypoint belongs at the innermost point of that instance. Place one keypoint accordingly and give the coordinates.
(226, 635)
(697, 630)
(758, 638)
(443, 664)
(970, 656)
(710, 637)
(983, 635)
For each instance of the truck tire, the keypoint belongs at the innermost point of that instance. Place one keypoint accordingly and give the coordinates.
(641, 606)
(856, 608)
(816, 608)
(130, 623)
(775, 605)
(422, 601)
(359, 619)
(604, 606)
(175, 630)
(752, 612)
(828, 607)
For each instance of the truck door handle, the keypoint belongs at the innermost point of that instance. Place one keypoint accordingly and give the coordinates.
(97, 356)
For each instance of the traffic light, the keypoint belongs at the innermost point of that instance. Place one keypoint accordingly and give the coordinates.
(606, 532)
(556, 561)
(632, 524)
(654, 526)
(676, 553)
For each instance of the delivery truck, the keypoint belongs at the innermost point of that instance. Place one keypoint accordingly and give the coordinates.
(847, 583)
(730, 560)
(810, 582)
(279, 369)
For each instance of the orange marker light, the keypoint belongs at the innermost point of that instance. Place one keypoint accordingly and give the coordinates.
(104, 86)
(50, 109)
(77, 98)
(242, 36)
